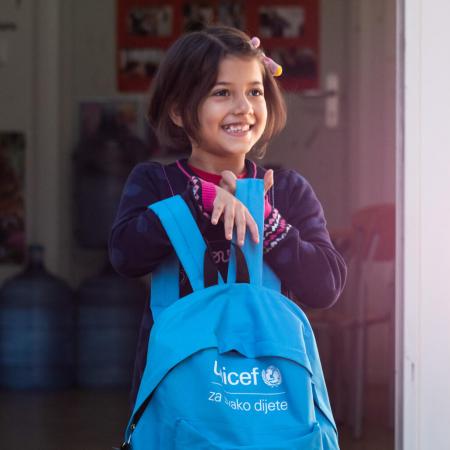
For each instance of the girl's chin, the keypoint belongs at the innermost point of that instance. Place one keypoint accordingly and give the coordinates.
(225, 151)
(235, 152)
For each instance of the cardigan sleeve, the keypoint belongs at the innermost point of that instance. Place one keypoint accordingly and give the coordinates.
(305, 259)
(137, 241)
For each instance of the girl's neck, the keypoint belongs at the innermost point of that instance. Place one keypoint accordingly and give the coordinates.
(216, 165)
(212, 177)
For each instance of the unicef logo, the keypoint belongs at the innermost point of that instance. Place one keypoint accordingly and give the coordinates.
(272, 376)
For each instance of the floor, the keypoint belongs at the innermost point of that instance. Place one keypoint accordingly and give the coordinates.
(94, 420)
(377, 433)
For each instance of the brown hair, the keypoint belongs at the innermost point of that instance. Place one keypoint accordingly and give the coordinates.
(188, 73)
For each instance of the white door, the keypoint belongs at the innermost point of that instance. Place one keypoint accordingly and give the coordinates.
(423, 196)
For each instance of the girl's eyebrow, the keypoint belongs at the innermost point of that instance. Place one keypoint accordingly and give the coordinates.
(226, 83)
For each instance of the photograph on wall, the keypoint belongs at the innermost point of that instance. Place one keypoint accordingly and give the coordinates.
(140, 63)
(146, 21)
(289, 30)
(198, 15)
(281, 21)
(232, 13)
(297, 62)
(145, 28)
(12, 209)
(111, 117)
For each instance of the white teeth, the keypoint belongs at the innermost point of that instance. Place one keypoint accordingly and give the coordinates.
(237, 128)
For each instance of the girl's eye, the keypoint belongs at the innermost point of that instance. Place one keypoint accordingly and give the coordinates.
(221, 93)
(256, 92)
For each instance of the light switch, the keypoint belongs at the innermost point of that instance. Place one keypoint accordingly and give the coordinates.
(332, 101)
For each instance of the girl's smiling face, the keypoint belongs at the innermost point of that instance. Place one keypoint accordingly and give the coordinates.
(234, 114)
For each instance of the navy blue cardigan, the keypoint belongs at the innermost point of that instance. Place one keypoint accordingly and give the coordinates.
(311, 271)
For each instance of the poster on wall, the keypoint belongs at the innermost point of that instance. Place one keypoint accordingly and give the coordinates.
(108, 124)
(12, 209)
(111, 115)
(288, 29)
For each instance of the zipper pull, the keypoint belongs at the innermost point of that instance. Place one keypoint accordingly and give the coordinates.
(127, 445)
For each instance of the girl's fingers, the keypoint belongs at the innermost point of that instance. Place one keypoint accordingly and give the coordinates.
(268, 180)
(228, 181)
(240, 222)
(228, 218)
(217, 212)
(234, 214)
(252, 227)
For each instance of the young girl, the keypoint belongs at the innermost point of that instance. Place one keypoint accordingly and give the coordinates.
(215, 95)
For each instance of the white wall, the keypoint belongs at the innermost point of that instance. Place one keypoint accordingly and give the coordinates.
(371, 95)
(424, 226)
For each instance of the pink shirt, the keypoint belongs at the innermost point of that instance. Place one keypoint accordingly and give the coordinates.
(210, 181)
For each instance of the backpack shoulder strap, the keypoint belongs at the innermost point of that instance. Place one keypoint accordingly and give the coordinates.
(164, 283)
(186, 239)
(190, 246)
(250, 191)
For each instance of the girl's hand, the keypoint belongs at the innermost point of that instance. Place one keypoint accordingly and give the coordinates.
(233, 213)
(228, 181)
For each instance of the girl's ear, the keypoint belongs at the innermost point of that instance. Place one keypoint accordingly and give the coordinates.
(175, 116)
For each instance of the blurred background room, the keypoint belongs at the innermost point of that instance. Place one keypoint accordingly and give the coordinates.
(73, 81)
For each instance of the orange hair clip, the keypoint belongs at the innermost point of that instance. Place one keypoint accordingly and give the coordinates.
(275, 69)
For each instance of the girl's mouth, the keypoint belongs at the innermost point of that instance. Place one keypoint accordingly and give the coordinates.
(237, 129)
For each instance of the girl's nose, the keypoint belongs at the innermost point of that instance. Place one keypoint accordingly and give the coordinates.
(242, 105)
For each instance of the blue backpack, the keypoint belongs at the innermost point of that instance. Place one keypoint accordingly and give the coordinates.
(233, 365)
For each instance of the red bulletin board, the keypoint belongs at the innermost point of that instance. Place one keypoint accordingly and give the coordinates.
(288, 29)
